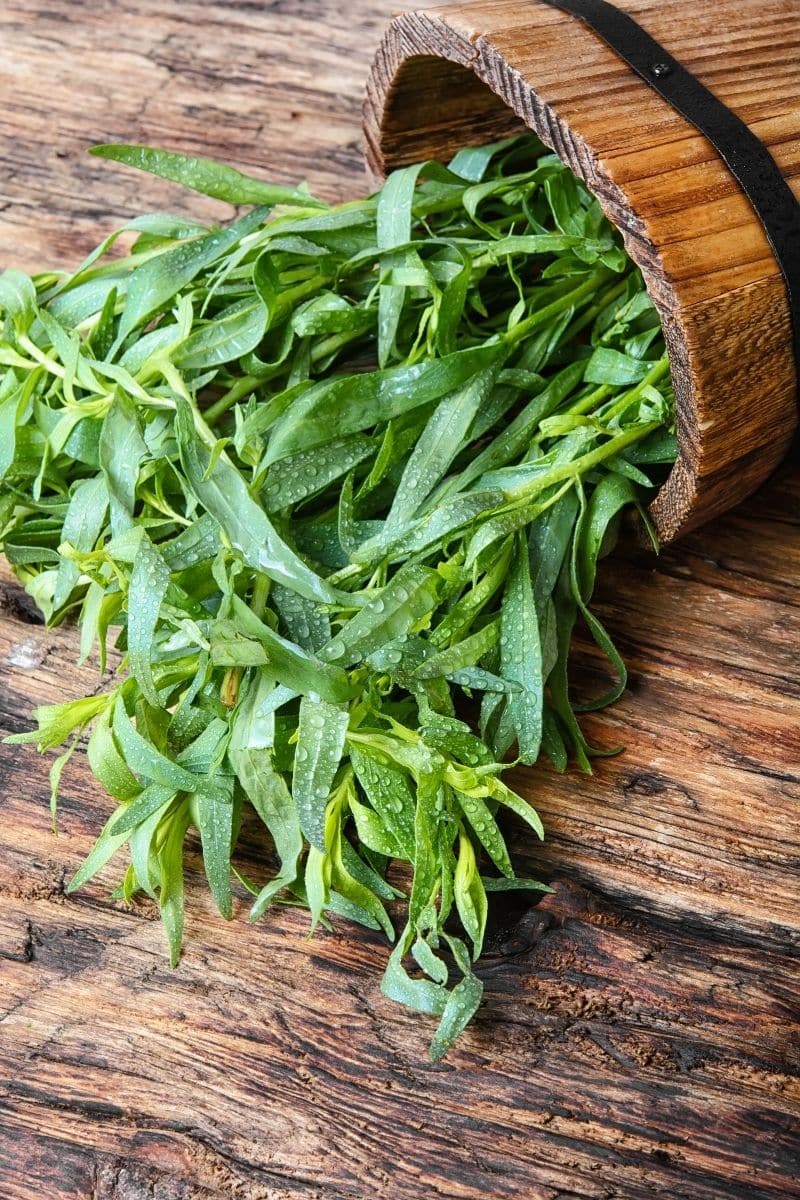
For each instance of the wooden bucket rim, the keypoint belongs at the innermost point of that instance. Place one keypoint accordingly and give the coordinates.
(435, 33)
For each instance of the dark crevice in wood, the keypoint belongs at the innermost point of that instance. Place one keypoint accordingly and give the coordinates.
(16, 604)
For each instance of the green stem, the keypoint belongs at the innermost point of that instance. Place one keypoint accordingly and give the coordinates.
(580, 466)
(333, 343)
(656, 373)
(589, 315)
(589, 402)
(261, 590)
(239, 390)
(543, 315)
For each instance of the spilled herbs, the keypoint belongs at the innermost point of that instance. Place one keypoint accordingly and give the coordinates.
(335, 482)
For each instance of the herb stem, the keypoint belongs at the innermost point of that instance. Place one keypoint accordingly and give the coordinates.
(543, 315)
(580, 466)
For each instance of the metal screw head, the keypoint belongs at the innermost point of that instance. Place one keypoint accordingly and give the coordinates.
(660, 69)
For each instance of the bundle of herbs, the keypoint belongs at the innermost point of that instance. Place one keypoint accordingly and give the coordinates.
(335, 482)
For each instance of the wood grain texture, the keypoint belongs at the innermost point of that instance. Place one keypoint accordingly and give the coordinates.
(640, 1035)
(459, 74)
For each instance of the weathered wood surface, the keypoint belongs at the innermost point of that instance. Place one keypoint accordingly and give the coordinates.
(686, 222)
(640, 1035)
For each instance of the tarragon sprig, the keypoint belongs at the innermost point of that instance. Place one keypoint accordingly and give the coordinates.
(334, 482)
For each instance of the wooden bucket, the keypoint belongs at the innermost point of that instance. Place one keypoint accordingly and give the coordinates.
(466, 74)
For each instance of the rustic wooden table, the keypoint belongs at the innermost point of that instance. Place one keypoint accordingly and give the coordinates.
(640, 1030)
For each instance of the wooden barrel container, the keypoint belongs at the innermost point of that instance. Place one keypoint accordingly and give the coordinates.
(463, 75)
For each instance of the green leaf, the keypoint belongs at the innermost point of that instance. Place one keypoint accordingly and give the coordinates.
(298, 476)
(521, 656)
(103, 850)
(18, 298)
(170, 895)
(470, 896)
(430, 963)
(454, 738)
(439, 444)
(546, 243)
(55, 722)
(499, 791)
(144, 854)
(148, 586)
(427, 868)
(321, 733)
(615, 369)
(246, 641)
(122, 451)
(460, 656)
(612, 494)
(198, 543)
(372, 832)
(230, 335)
(223, 493)
(152, 799)
(214, 818)
(393, 228)
(107, 764)
(461, 1006)
(471, 163)
(317, 883)
(352, 403)
(11, 407)
(82, 526)
(420, 994)
(514, 885)
(485, 827)
(548, 541)
(157, 280)
(357, 887)
(394, 215)
(143, 758)
(205, 176)
(250, 755)
(305, 623)
(56, 771)
(475, 678)
(408, 597)
(389, 794)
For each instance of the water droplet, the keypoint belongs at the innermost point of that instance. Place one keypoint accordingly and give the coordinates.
(377, 605)
(393, 656)
(335, 649)
(402, 594)
(301, 754)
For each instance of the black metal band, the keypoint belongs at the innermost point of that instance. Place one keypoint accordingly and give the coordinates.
(746, 156)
